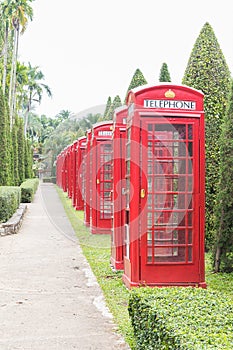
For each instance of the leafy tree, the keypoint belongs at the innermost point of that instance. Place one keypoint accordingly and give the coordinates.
(137, 80)
(108, 105)
(63, 115)
(35, 88)
(115, 103)
(164, 75)
(87, 122)
(63, 135)
(223, 257)
(34, 128)
(207, 70)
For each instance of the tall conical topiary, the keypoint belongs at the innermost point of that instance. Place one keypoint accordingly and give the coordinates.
(5, 161)
(207, 70)
(108, 105)
(115, 103)
(28, 160)
(15, 155)
(137, 80)
(21, 150)
(10, 155)
(164, 75)
(223, 254)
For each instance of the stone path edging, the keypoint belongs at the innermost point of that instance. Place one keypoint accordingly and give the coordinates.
(13, 225)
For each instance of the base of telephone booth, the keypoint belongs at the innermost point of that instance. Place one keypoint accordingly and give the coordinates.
(100, 230)
(116, 265)
(79, 207)
(130, 284)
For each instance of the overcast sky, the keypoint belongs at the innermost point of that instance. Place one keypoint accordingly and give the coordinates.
(89, 49)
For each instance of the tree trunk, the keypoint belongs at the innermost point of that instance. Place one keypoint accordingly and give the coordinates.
(10, 99)
(14, 77)
(5, 60)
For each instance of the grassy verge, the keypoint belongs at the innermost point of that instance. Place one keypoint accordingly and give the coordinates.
(96, 249)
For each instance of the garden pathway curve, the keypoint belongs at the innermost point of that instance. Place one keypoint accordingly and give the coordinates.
(49, 298)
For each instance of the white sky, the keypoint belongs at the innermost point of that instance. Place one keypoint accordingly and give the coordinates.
(89, 49)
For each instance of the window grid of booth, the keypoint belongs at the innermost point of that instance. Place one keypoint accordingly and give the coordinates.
(170, 188)
(105, 176)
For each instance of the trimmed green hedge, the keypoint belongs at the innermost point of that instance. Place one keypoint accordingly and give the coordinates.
(181, 318)
(28, 189)
(10, 197)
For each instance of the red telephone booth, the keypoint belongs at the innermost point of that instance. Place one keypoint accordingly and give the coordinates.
(87, 178)
(74, 151)
(80, 149)
(118, 187)
(164, 229)
(64, 169)
(59, 170)
(69, 171)
(101, 178)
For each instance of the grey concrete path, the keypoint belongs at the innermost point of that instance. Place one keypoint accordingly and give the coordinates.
(49, 298)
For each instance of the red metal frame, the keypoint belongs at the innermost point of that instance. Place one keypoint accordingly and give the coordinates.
(101, 178)
(74, 151)
(118, 197)
(165, 184)
(79, 180)
(87, 178)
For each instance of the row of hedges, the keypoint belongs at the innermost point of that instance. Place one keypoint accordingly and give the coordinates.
(28, 189)
(181, 318)
(12, 196)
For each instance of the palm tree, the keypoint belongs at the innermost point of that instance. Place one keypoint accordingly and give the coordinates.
(34, 91)
(4, 38)
(18, 12)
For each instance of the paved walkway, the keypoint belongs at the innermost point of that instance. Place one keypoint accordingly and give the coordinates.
(49, 298)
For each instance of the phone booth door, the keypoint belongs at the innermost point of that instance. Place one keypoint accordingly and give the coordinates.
(170, 202)
(104, 188)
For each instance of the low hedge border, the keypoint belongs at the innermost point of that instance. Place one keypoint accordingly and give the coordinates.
(10, 197)
(181, 318)
(28, 189)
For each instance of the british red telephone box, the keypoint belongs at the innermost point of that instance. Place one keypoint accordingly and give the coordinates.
(87, 178)
(101, 178)
(74, 171)
(69, 171)
(118, 187)
(79, 181)
(164, 229)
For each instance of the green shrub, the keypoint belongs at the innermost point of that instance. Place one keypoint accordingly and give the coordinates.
(181, 318)
(28, 189)
(10, 197)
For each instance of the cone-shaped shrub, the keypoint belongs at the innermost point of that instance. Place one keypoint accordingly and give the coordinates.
(137, 80)
(207, 71)
(164, 75)
(223, 257)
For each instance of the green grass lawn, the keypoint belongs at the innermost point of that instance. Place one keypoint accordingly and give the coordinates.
(96, 249)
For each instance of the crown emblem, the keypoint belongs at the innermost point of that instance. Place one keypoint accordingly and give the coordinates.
(170, 93)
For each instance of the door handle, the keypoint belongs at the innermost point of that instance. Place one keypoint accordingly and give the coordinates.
(143, 193)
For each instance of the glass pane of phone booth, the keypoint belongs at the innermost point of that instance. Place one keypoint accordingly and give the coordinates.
(105, 176)
(169, 187)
